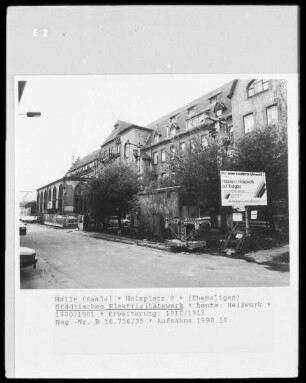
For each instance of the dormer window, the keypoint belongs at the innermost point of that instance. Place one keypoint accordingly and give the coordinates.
(196, 121)
(172, 130)
(191, 111)
(257, 86)
(173, 119)
(214, 99)
(219, 112)
(157, 136)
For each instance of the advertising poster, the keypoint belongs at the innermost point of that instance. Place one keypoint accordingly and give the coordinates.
(243, 188)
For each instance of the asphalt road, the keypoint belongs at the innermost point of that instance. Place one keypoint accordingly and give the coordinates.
(69, 260)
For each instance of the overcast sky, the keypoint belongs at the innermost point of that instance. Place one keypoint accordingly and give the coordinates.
(78, 113)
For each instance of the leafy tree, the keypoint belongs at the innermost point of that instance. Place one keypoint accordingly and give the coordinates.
(266, 150)
(197, 172)
(113, 191)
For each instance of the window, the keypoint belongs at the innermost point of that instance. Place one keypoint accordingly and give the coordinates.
(217, 127)
(182, 146)
(126, 150)
(172, 151)
(272, 115)
(195, 121)
(193, 145)
(156, 137)
(60, 198)
(172, 131)
(248, 122)
(214, 99)
(219, 112)
(257, 86)
(191, 111)
(155, 158)
(173, 119)
(204, 141)
(163, 155)
(231, 133)
(54, 198)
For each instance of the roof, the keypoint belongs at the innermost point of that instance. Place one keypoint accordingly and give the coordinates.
(85, 160)
(202, 104)
(120, 127)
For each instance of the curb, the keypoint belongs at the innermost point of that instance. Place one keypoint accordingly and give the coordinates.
(123, 240)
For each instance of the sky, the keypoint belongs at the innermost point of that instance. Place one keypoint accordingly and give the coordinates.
(79, 112)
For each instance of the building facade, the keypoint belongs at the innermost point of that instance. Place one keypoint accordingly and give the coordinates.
(67, 195)
(232, 110)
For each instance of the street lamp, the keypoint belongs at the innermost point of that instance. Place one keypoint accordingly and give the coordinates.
(30, 114)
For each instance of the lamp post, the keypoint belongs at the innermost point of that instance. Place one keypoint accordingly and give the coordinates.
(31, 114)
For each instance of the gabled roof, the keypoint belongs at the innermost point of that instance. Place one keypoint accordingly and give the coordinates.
(202, 104)
(119, 128)
(85, 160)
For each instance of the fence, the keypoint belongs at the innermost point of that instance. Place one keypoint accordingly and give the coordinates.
(63, 221)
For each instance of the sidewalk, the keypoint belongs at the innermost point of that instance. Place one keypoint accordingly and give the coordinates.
(122, 239)
(277, 257)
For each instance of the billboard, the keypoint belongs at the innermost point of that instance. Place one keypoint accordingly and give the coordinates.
(243, 188)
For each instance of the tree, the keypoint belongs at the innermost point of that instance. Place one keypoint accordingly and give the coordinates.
(113, 191)
(266, 150)
(197, 171)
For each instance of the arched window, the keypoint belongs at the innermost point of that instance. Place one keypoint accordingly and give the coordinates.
(45, 199)
(126, 150)
(257, 86)
(54, 198)
(60, 198)
(80, 198)
(41, 208)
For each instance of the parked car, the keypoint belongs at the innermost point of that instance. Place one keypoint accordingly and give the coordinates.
(24, 218)
(27, 257)
(22, 228)
(32, 219)
(126, 222)
(113, 221)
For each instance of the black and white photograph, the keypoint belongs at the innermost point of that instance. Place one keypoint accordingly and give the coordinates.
(143, 181)
(152, 206)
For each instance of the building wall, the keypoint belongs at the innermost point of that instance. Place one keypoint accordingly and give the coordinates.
(257, 104)
(24, 211)
(155, 206)
(69, 186)
(134, 136)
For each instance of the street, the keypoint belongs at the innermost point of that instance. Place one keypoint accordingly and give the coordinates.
(68, 260)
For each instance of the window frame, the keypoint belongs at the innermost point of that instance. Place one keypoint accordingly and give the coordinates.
(204, 137)
(244, 120)
(191, 111)
(172, 151)
(126, 150)
(155, 158)
(163, 155)
(219, 112)
(277, 115)
(265, 85)
(182, 149)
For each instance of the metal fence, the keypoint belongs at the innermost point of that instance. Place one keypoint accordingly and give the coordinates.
(61, 220)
